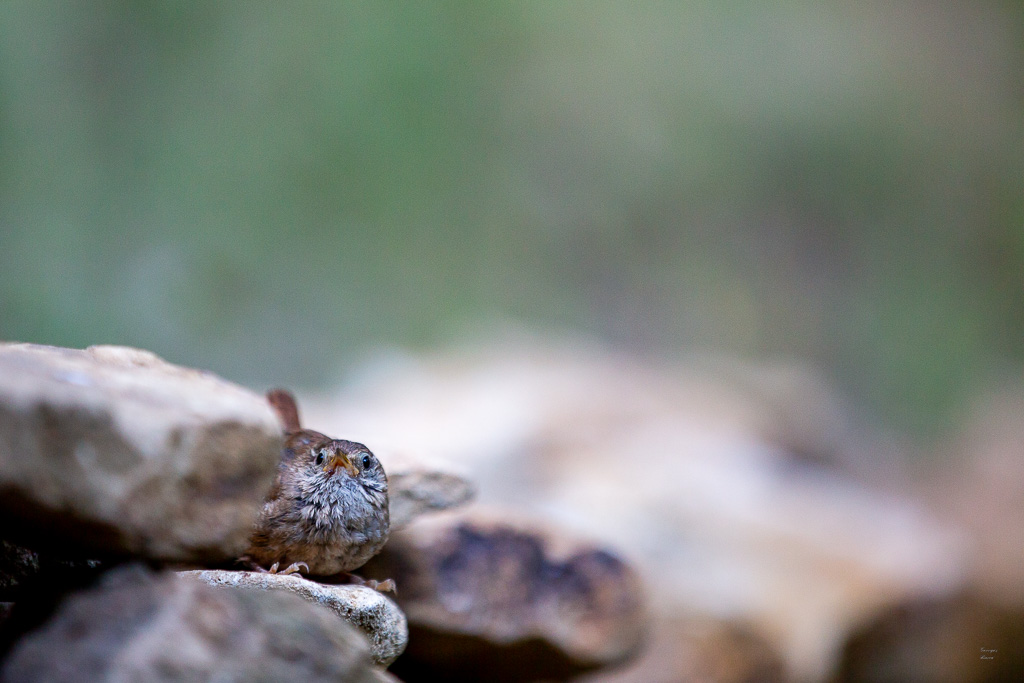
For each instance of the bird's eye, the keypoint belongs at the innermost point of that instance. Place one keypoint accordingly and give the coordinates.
(367, 461)
(320, 458)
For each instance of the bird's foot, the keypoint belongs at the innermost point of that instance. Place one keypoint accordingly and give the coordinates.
(293, 568)
(386, 586)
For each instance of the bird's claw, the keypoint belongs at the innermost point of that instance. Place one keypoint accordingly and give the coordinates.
(385, 586)
(293, 568)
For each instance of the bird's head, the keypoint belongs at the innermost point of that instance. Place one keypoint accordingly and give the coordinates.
(336, 460)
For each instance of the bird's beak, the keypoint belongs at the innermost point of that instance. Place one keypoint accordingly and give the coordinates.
(340, 460)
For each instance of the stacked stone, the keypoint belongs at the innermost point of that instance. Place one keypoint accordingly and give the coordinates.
(116, 466)
(129, 486)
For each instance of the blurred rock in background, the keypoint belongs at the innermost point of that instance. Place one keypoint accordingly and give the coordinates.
(974, 635)
(737, 502)
(701, 650)
(491, 597)
(980, 488)
(961, 638)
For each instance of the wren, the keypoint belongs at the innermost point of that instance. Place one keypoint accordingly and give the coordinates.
(327, 513)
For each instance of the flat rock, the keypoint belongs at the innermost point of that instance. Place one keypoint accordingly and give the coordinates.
(138, 627)
(371, 612)
(115, 450)
(490, 600)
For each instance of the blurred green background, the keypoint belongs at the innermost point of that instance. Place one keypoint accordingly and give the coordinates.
(272, 190)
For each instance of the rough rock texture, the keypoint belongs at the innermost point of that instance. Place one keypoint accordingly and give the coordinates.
(140, 628)
(115, 450)
(487, 600)
(374, 614)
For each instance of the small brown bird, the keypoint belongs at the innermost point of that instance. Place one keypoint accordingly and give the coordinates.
(327, 512)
